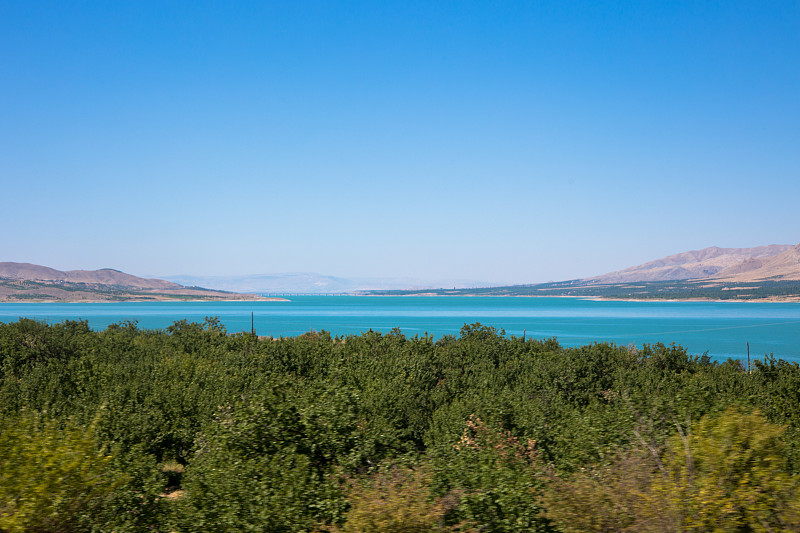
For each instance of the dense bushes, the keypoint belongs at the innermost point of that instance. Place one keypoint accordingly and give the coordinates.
(51, 478)
(192, 429)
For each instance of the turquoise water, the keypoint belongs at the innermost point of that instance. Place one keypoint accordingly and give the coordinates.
(720, 328)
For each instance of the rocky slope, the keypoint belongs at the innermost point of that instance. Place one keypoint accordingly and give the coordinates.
(783, 266)
(705, 263)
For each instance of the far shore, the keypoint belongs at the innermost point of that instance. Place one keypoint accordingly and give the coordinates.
(768, 299)
(141, 300)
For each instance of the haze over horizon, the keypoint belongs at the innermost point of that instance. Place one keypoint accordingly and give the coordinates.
(513, 143)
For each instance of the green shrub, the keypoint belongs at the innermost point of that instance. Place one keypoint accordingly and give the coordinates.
(270, 464)
(397, 500)
(51, 478)
(498, 478)
(729, 474)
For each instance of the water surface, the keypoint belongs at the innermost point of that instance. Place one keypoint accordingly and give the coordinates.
(722, 329)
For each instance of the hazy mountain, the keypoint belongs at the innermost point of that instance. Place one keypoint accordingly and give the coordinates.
(304, 282)
(696, 264)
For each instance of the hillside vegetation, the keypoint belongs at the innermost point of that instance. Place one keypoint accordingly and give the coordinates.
(786, 290)
(191, 429)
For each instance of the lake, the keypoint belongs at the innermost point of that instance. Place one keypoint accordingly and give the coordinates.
(722, 329)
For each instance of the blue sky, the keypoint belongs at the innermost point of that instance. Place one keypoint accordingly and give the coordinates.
(508, 142)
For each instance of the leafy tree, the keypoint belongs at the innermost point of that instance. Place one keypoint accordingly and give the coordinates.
(498, 478)
(269, 463)
(267, 430)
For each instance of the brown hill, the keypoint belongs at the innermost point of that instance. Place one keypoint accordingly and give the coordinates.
(696, 264)
(25, 282)
(784, 266)
(104, 276)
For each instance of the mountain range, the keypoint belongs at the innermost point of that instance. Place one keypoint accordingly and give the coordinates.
(764, 271)
(773, 262)
(761, 273)
(104, 276)
(29, 282)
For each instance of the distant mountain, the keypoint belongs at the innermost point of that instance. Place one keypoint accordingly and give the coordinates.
(761, 273)
(21, 282)
(696, 264)
(783, 266)
(104, 276)
(305, 282)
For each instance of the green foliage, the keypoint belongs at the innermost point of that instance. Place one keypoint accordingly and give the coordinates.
(269, 464)
(51, 478)
(397, 499)
(608, 497)
(209, 431)
(27, 343)
(498, 479)
(277, 492)
(729, 474)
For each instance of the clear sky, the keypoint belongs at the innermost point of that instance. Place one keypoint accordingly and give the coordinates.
(509, 142)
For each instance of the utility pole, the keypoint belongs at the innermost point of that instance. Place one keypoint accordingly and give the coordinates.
(748, 357)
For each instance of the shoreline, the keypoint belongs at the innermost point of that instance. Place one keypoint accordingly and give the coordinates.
(141, 300)
(768, 299)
